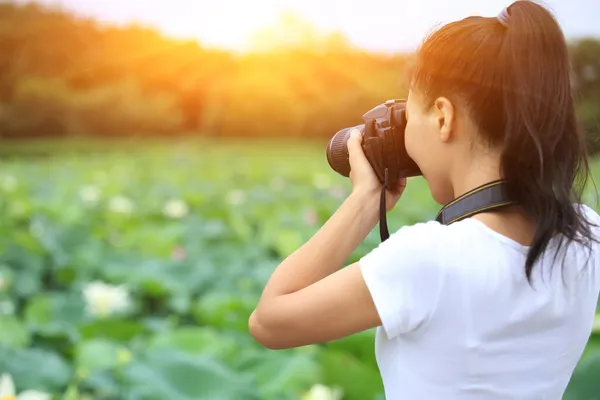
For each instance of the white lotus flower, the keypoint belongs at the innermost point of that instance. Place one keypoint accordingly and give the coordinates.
(175, 209)
(236, 197)
(121, 205)
(89, 194)
(103, 300)
(322, 392)
(7, 391)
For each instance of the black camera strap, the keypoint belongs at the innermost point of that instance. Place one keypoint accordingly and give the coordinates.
(490, 196)
(383, 228)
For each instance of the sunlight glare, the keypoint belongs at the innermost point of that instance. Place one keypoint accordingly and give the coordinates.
(241, 25)
(223, 24)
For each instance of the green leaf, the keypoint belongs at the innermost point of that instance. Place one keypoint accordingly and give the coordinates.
(160, 278)
(167, 374)
(116, 329)
(51, 238)
(197, 341)
(240, 226)
(287, 241)
(224, 310)
(584, 384)
(358, 380)
(103, 384)
(180, 303)
(97, 354)
(361, 345)
(36, 369)
(28, 282)
(596, 326)
(280, 375)
(13, 333)
(26, 270)
(72, 393)
(56, 314)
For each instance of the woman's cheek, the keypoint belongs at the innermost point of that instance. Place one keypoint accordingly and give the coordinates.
(411, 143)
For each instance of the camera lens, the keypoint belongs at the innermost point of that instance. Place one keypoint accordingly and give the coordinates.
(337, 152)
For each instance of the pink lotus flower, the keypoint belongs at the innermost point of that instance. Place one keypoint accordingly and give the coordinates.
(311, 217)
(178, 254)
(338, 192)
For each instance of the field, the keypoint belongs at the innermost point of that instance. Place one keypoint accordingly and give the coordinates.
(131, 273)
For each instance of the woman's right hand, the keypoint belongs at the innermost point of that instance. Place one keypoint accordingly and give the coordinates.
(363, 178)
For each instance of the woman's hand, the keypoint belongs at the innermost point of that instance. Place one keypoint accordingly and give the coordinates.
(363, 178)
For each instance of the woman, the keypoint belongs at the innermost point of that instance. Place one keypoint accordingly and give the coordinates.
(496, 306)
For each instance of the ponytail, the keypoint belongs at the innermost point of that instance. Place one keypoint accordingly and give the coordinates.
(514, 73)
(544, 153)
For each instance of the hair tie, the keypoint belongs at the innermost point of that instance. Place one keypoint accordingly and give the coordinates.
(503, 17)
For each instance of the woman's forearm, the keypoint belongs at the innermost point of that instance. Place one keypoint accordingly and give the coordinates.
(328, 249)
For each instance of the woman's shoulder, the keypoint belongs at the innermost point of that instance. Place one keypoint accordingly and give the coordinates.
(428, 231)
(588, 212)
(427, 241)
(420, 234)
(591, 217)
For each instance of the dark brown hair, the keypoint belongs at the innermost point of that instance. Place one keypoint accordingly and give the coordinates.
(513, 75)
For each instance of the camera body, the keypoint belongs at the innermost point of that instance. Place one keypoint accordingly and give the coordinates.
(383, 143)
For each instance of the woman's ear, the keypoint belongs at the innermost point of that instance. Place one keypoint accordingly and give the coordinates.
(444, 114)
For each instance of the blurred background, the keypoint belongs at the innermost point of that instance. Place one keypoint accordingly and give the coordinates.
(160, 158)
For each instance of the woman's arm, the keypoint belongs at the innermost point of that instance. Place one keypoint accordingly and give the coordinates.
(308, 299)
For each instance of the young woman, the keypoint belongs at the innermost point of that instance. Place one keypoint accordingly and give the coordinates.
(496, 306)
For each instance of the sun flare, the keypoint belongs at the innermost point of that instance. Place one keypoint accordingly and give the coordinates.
(233, 27)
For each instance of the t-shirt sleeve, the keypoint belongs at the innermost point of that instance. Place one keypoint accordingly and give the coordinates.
(593, 217)
(404, 275)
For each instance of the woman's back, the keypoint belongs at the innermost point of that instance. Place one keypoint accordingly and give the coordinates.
(470, 326)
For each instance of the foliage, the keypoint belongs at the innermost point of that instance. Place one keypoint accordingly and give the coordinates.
(586, 64)
(131, 273)
(65, 76)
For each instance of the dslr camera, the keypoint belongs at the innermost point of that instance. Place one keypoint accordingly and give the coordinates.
(383, 144)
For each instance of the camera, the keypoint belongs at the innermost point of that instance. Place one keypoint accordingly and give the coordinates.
(383, 143)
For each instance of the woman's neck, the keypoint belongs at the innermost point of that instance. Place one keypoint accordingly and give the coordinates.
(511, 221)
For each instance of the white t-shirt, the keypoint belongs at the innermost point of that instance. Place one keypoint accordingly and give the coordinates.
(460, 320)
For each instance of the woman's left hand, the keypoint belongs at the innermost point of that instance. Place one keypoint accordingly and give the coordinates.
(363, 178)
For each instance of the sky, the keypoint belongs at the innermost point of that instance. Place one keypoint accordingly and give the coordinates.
(378, 25)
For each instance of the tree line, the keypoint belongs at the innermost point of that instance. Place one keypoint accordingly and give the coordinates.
(62, 76)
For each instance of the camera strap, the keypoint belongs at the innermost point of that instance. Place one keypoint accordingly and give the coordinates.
(383, 228)
(490, 196)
